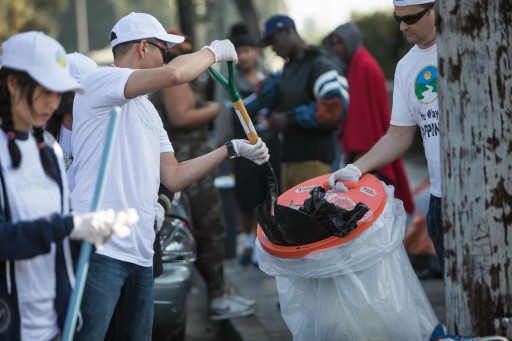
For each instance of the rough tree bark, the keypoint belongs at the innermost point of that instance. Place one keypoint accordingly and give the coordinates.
(475, 89)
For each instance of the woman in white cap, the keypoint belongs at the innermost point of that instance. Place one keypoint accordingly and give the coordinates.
(36, 272)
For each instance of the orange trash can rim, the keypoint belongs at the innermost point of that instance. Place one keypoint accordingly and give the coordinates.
(369, 190)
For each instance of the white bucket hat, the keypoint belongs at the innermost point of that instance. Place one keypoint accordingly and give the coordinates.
(80, 65)
(42, 57)
(411, 2)
(137, 26)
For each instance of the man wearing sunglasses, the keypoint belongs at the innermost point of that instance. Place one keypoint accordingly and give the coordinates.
(117, 300)
(415, 103)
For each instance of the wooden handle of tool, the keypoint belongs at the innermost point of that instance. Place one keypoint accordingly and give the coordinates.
(245, 120)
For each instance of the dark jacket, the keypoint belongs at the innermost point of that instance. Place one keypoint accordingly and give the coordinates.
(301, 85)
(24, 240)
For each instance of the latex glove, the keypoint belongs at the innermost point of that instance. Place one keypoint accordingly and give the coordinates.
(224, 51)
(97, 227)
(160, 217)
(349, 173)
(258, 153)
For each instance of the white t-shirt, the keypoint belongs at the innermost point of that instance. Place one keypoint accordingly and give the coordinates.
(134, 176)
(415, 102)
(32, 195)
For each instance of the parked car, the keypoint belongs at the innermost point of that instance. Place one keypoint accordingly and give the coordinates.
(173, 285)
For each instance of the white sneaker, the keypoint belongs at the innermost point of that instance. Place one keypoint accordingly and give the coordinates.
(242, 300)
(225, 308)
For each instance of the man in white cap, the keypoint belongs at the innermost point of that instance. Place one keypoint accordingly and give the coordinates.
(415, 103)
(119, 286)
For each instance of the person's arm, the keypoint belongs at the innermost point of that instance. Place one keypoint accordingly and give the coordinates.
(177, 175)
(180, 107)
(390, 146)
(27, 239)
(330, 104)
(180, 70)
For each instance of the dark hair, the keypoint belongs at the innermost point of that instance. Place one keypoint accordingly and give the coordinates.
(27, 87)
(121, 49)
(238, 29)
(243, 40)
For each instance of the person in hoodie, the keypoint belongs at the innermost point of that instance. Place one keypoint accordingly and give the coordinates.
(368, 113)
(36, 269)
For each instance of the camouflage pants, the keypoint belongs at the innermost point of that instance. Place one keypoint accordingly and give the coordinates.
(208, 219)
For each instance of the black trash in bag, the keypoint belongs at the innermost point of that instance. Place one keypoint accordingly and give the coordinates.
(317, 220)
(338, 221)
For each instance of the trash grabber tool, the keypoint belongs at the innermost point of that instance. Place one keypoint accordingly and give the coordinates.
(281, 224)
(246, 122)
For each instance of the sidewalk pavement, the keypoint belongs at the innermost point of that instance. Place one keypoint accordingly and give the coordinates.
(267, 323)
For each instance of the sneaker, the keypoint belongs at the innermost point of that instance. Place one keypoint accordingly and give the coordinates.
(242, 300)
(225, 307)
(439, 334)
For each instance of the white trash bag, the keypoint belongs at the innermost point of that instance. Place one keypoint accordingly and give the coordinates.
(362, 290)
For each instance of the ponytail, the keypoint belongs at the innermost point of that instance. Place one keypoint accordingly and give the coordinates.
(44, 154)
(6, 117)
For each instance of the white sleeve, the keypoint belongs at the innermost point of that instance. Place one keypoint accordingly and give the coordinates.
(104, 88)
(165, 144)
(400, 113)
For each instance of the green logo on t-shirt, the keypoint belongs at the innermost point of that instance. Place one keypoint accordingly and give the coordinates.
(426, 85)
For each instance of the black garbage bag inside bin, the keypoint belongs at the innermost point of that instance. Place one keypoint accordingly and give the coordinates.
(338, 221)
(317, 220)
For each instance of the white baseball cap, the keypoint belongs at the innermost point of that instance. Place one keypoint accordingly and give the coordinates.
(411, 2)
(42, 57)
(136, 26)
(80, 65)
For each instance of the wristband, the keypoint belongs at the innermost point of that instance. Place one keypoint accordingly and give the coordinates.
(231, 150)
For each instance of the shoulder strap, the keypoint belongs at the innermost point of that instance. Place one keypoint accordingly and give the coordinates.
(7, 209)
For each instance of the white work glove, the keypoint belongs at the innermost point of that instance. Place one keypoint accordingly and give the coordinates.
(257, 153)
(97, 227)
(224, 51)
(159, 217)
(349, 173)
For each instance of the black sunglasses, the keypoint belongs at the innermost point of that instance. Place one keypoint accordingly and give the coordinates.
(166, 55)
(413, 18)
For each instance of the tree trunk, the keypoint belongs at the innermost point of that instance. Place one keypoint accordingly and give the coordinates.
(475, 88)
(186, 14)
(249, 16)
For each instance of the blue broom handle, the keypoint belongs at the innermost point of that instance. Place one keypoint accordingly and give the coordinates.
(85, 250)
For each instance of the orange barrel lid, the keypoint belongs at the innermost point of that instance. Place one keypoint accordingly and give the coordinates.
(369, 190)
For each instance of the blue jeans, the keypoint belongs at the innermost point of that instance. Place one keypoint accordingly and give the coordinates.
(117, 291)
(435, 228)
